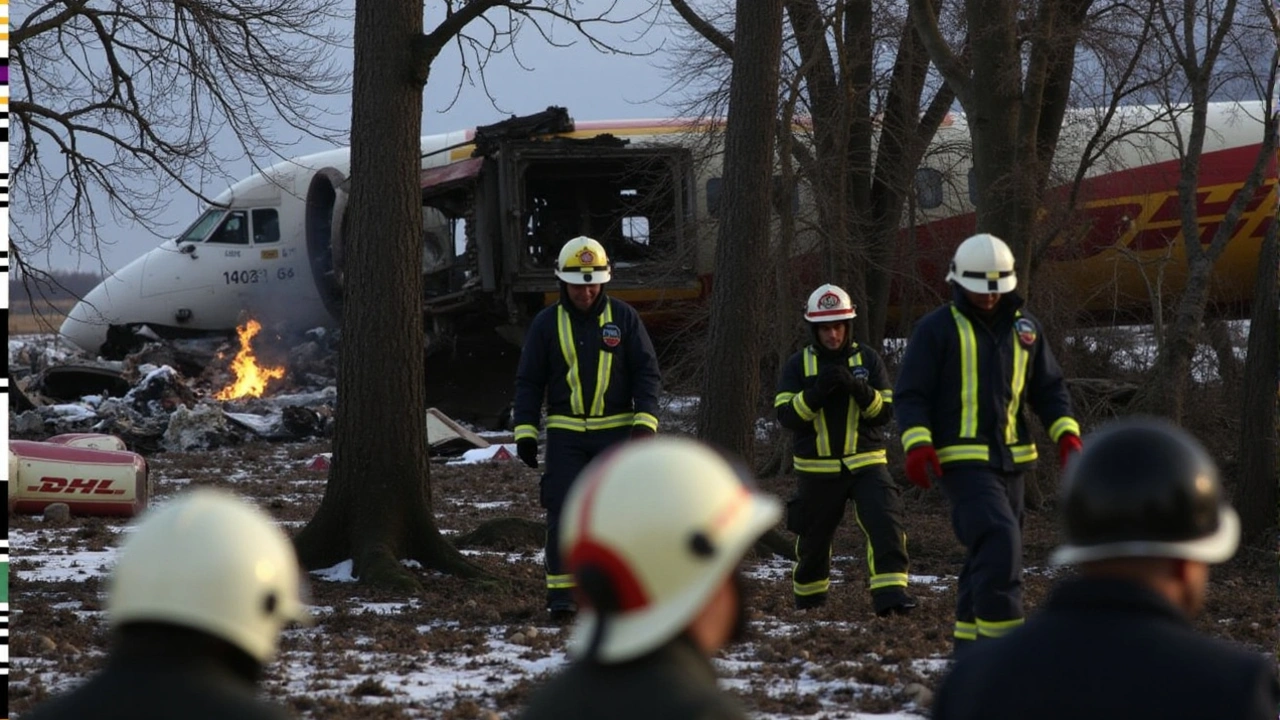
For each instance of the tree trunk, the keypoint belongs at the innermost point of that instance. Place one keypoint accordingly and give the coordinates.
(1256, 494)
(731, 391)
(377, 503)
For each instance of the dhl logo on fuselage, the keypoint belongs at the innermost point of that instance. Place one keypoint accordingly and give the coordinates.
(82, 486)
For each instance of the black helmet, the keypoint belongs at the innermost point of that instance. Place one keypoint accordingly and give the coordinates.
(1143, 487)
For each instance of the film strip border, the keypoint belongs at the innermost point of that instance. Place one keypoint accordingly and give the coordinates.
(4, 377)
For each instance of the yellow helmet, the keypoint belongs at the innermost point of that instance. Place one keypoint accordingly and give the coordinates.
(583, 261)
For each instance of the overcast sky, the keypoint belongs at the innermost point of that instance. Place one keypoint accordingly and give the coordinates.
(591, 84)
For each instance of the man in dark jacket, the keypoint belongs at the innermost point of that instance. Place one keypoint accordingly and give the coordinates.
(969, 369)
(653, 534)
(1145, 515)
(834, 396)
(197, 601)
(590, 357)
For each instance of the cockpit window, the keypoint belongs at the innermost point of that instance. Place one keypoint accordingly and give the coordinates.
(266, 226)
(234, 230)
(202, 226)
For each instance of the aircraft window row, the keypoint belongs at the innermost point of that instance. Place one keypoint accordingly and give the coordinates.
(235, 227)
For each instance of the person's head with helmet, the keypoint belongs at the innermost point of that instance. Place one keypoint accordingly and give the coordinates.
(1144, 502)
(982, 269)
(583, 269)
(829, 313)
(211, 573)
(654, 533)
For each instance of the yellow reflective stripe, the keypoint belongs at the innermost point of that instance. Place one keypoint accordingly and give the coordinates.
(645, 419)
(560, 582)
(803, 411)
(604, 368)
(997, 628)
(823, 439)
(813, 588)
(1062, 426)
(833, 465)
(565, 331)
(1024, 453)
(526, 431)
(817, 465)
(966, 630)
(958, 453)
(580, 424)
(873, 457)
(885, 580)
(851, 421)
(968, 375)
(810, 362)
(1020, 358)
(886, 395)
(876, 405)
(783, 398)
(918, 435)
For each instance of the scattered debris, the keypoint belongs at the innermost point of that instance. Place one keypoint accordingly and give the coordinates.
(89, 481)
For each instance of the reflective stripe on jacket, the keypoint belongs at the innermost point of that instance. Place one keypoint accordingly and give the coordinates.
(964, 382)
(837, 433)
(597, 370)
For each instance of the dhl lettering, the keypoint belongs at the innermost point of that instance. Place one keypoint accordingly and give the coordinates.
(83, 486)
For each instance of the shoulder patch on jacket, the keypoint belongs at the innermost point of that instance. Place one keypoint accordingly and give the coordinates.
(1026, 331)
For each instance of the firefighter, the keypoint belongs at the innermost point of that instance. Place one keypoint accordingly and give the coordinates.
(591, 357)
(834, 395)
(197, 601)
(1144, 514)
(654, 533)
(969, 369)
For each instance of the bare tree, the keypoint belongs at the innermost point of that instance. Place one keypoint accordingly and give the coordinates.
(1014, 85)
(114, 105)
(730, 394)
(1215, 52)
(377, 507)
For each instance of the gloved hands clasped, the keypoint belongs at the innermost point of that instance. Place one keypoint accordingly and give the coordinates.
(836, 378)
(527, 449)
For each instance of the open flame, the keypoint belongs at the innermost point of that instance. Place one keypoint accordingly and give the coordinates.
(251, 378)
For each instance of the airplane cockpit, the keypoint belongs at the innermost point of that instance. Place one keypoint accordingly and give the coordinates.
(234, 227)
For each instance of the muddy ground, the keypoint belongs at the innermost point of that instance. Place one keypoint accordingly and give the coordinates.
(838, 661)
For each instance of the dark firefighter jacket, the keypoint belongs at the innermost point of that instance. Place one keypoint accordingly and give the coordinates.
(598, 370)
(964, 381)
(1108, 649)
(836, 432)
(674, 682)
(160, 688)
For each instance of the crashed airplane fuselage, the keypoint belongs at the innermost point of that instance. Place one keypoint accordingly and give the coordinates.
(498, 202)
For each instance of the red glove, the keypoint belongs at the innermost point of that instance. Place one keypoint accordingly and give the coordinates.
(1069, 444)
(920, 460)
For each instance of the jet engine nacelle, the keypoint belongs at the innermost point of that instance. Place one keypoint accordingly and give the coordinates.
(326, 211)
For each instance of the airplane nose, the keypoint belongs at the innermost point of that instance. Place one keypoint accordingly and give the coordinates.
(105, 305)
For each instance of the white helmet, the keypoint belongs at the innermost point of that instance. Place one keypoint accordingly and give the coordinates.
(583, 261)
(210, 562)
(829, 303)
(983, 264)
(665, 521)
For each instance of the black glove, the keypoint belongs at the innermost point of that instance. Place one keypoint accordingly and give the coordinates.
(640, 432)
(829, 381)
(859, 388)
(527, 449)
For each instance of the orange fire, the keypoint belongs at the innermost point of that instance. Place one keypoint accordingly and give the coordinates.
(251, 379)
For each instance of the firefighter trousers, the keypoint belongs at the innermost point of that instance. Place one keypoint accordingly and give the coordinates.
(568, 452)
(987, 508)
(877, 509)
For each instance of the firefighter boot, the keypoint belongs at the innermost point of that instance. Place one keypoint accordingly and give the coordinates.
(892, 601)
(561, 605)
(810, 602)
